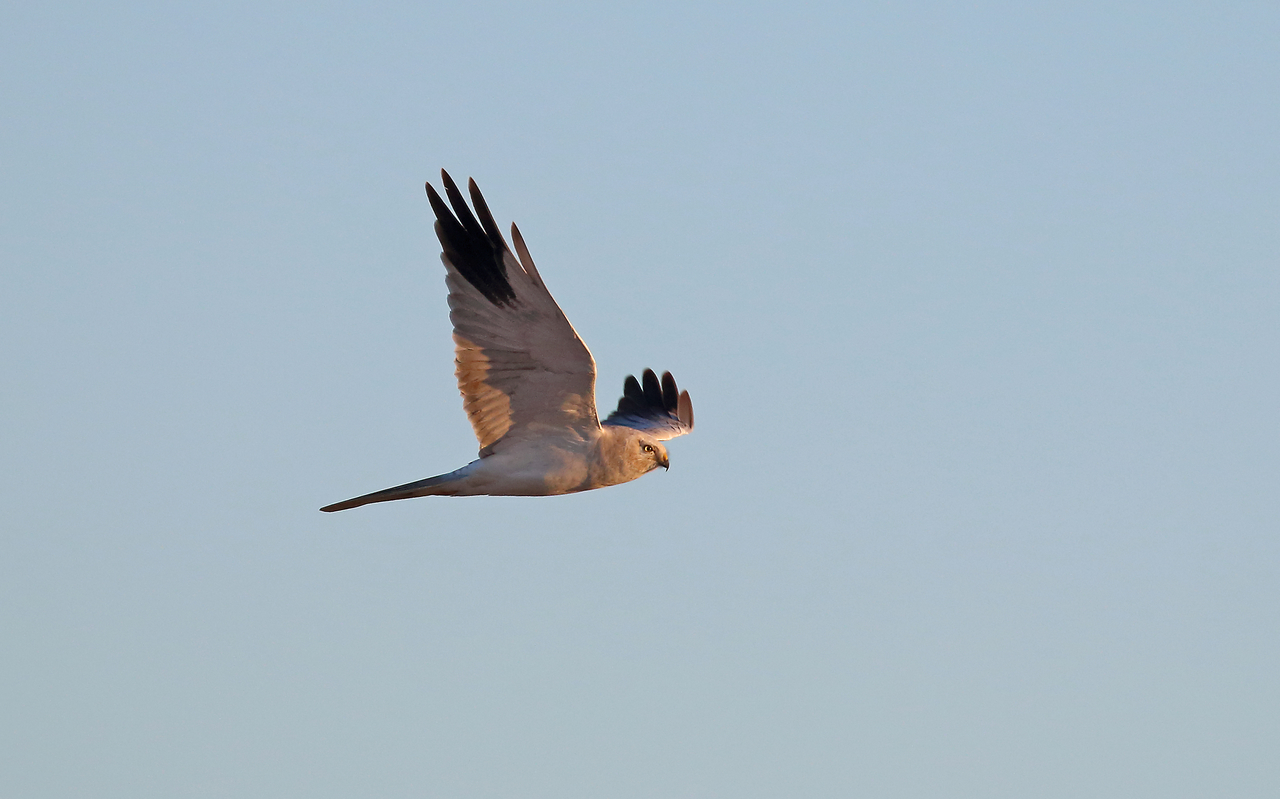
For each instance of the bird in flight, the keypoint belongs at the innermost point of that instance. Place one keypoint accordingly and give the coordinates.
(528, 382)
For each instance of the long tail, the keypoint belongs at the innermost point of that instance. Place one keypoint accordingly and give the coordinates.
(442, 484)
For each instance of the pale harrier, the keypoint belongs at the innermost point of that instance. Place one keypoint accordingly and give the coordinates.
(528, 381)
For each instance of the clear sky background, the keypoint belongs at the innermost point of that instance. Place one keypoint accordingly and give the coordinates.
(977, 302)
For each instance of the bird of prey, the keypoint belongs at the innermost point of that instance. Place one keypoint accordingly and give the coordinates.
(528, 381)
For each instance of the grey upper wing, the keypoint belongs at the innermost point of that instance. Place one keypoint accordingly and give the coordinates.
(658, 408)
(520, 363)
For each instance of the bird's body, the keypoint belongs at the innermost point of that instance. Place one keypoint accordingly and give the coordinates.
(528, 381)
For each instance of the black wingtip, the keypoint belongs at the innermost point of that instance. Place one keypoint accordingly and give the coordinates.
(437, 203)
(650, 402)
(474, 247)
(652, 389)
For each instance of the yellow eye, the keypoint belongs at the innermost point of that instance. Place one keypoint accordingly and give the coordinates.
(648, 448)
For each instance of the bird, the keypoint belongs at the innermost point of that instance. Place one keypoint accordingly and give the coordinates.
(527, 379)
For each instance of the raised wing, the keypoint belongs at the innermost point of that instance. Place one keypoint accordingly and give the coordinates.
(659, 409)
(520, 364)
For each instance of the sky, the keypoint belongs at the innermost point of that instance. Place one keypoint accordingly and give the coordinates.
(977, 304)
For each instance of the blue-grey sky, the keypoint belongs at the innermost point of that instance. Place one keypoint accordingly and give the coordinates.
(977, 302)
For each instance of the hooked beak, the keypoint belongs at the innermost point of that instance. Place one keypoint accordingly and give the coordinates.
(665, 463)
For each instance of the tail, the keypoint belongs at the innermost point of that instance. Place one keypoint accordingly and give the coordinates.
(442, 484)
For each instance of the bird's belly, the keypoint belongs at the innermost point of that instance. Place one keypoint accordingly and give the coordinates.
(543, 472)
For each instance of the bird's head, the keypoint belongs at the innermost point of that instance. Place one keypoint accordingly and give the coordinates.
(649, 452)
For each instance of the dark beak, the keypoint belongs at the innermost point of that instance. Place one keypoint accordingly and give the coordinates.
(664, 463)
